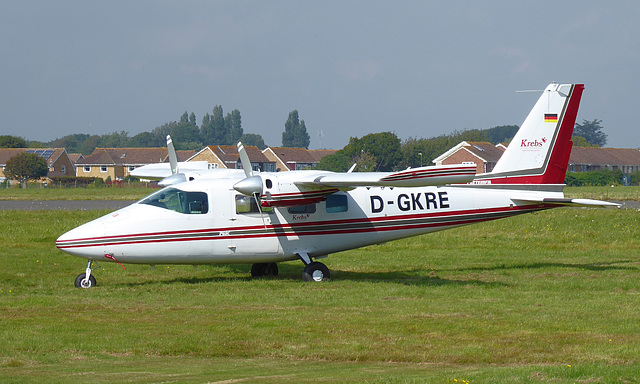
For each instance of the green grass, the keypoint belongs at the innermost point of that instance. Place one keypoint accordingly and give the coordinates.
(604, 193)
(547, 297)
(90, 193)
(136, 193)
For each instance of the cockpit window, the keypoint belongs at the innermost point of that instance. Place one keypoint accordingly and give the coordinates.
(179, 201)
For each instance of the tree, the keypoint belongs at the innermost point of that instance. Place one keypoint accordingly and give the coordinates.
(186, 134)
(383, 151)
(213, 130)
(579, 141)
(338, 162)
(114, 140)
(142, 140)
(295, 132)
(26, 166)
(234, 131)
(501, 134)
(592, 132)
(7, 141)
(252, 139)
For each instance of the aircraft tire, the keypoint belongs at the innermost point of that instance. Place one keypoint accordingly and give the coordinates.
(264, 269)
(316, 272)
(80, 278)
(271, 270)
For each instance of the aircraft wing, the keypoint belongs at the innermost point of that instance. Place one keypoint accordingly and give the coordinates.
(163, 170)
(566, 202)
(412, 177)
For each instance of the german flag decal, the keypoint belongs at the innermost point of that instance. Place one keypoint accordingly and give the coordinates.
(550, 117)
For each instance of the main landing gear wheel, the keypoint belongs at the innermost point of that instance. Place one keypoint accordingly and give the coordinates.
(264, 269)
(316, 272)
(83, 282)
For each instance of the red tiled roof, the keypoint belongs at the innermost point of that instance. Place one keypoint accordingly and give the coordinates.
(131, 156)
(53, 153)
(485, 150)
(229, 153)
(605, 156)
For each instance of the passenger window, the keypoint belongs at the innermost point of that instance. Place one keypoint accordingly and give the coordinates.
(247, 204)
(179, 201)
(337, 203)
(311, 208)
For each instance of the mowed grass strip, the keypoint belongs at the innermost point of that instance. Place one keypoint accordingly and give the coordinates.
(551, 296)
(126, 192)
(123, 192)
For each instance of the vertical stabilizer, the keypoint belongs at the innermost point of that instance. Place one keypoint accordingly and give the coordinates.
(539, 152)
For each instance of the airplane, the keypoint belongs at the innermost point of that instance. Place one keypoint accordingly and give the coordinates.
(204, 216)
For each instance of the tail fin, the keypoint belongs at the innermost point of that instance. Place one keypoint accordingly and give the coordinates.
(539, 152)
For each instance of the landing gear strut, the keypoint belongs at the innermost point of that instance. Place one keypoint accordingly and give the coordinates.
(86, 280)
(264, 269)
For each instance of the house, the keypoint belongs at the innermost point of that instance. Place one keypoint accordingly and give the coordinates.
(75, 157)
(295, 159)
(117, 163)
(227, 157)
(582, 159)
(484, 154)
(57, 160)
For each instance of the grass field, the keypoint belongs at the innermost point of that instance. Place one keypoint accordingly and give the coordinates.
(104, 193)
(136, 193)
(546, 297)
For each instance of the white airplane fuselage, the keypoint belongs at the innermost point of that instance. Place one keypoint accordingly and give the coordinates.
(148, 234)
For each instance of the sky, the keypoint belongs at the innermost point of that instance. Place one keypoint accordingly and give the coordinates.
(415, 68)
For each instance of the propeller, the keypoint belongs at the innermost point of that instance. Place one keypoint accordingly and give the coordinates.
(176, 177)
(252, 184)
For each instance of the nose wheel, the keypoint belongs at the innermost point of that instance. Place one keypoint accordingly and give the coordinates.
(85, 280)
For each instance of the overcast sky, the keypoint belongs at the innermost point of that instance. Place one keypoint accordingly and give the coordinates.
(415, 68)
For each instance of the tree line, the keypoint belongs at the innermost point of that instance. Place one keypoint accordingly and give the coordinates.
(216, 128)
(382, 151)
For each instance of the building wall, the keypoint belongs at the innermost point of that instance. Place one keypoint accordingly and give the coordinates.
(62, 163)
(115, 172)
(279, 164)
(209, 157)
(464, 156)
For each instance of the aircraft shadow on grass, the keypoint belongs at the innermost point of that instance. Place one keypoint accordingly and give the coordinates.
(415, 277)
(608, 266)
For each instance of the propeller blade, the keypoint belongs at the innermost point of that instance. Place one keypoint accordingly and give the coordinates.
(173, 157)
(246, 164)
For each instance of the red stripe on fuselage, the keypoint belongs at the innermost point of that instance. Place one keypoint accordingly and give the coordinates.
(393, 223)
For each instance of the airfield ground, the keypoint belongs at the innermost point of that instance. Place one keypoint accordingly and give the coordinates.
(546, 297)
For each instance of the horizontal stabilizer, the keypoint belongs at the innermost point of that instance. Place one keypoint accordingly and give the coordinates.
(566, 202)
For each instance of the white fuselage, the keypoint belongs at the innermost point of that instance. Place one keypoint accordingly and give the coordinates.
(229, 232)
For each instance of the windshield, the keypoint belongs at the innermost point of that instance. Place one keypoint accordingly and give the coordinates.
(179, 201)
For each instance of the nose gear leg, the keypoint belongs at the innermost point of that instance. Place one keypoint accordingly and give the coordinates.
(86, 280)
